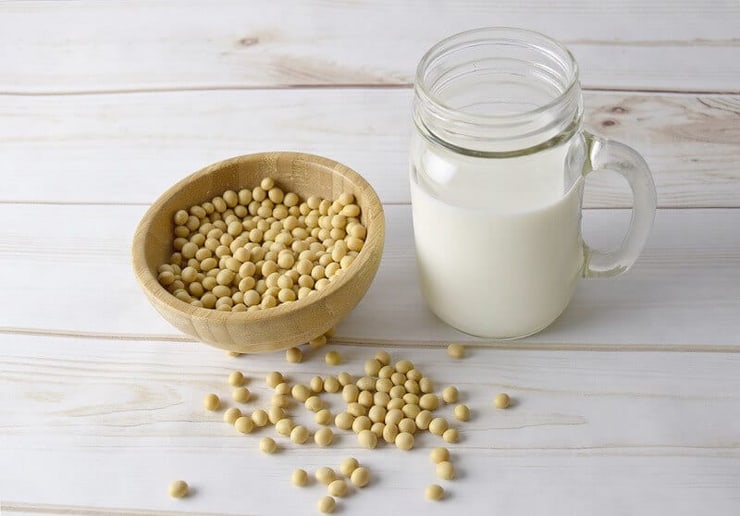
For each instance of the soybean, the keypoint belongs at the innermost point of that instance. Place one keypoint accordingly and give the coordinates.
(314, 404)
(273, 379)
(395, 403)
(231, 415)
(325, 475)
(268, 445)
(390, 432)
(434, 492)
(429, 401)
(450, 394)
(294, 355)
(462, 413)
(502, 401)
(236, 379)
(383, 357)
(451, 435)
(367, 439)
(283, 389)
(372, 367)
(299, 434)
(324, 436)
(260, 418)
(405, 441)
(360, 477)
(439, 455)
(344, 420)
(338, 488)
(348, 465)
(300, 392)
(445, 470)
(438, 425)
(178, 489)
(211, 402)
(275, 414)
(284, 427)
(456, 350)
(316, 384)
(423, 419)
(331, 384)
(326, 504)
(323, 417)
(244, 425)
(332, 358)
(241, 394)
(299, 477)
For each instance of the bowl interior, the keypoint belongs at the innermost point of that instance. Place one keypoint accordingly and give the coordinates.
(301, 173)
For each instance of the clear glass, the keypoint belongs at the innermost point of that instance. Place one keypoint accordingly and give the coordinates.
(498, 161)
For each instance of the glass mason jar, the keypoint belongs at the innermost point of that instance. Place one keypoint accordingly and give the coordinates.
(497, 167)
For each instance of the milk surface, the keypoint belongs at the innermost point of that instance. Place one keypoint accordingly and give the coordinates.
(498, 241)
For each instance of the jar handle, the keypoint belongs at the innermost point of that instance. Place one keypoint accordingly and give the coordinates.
(604, 154)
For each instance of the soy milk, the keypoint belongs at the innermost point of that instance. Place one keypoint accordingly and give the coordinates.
(498, 242)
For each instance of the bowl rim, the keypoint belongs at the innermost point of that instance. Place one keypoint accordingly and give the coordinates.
(150, 283)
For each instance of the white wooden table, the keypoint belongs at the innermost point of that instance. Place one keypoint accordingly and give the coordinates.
(629, 404)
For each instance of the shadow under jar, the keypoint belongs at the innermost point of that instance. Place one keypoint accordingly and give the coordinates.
(498, 161)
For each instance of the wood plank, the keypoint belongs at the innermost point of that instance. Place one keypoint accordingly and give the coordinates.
(130, 148)
(104, 46)
(68, 271)
(108, 424)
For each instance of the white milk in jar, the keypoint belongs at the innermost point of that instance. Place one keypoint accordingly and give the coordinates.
(502, 258)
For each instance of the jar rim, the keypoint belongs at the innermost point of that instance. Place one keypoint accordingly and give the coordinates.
(483, 35)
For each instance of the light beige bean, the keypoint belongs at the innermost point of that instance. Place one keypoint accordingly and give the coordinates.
(299, 434)
(367, 438)
(299, 477)
(211, 402)
(360, 477)
(231, 415)
(178, 489)
(439, 455)
(326, 504)
(348, 465)
(325, 475)
(502, 401)
(451, 435)
(445, 470)
(462, 413)
(244, 425)
(405, 441)
(456, 351)
(324, 436)
(434, 492)
(268, 445)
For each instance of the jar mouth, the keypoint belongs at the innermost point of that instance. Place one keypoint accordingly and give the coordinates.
(561, 66)
(497, 90)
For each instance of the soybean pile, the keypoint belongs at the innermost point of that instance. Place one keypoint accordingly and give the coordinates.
(389, 403)
(258, 248)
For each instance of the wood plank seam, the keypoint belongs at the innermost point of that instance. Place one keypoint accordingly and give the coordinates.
(401, 343)
(332, 86)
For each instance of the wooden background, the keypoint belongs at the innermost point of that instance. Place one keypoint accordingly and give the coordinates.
(629, 404)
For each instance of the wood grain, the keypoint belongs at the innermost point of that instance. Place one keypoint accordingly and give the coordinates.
(587, 429)
(87, 46)
(627, 405)
(684, 292)
(130, 148)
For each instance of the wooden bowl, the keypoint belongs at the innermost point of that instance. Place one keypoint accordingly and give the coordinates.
(287, 324)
